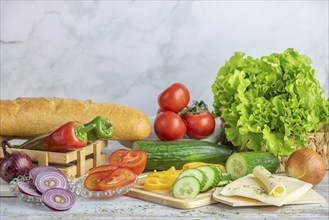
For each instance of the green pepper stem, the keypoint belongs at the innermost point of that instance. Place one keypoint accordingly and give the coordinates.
(103, 129)
(81, 131)
(87, 128)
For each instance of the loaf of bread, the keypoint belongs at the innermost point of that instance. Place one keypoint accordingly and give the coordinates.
(27, 117)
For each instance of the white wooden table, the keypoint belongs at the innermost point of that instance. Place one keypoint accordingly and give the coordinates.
(125, 207)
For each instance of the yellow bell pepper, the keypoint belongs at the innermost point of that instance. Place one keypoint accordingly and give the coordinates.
(192, 165)
(196, 164)
(163, 180)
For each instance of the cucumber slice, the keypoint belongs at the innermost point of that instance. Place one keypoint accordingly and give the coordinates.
(187, 187)
(242, 163)
(195, 173)
(225, 179)
(213, 176)
(217, 168)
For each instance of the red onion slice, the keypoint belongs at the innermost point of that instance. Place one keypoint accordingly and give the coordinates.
(58, 199)
(50, 179)
(28, 189)
(34, 171)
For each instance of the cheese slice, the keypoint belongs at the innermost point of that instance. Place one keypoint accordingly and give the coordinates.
(270, 183)
(249, 186)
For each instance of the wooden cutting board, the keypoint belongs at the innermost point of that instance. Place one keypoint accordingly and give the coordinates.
(210, 197)
(309, 197)
(165, 198)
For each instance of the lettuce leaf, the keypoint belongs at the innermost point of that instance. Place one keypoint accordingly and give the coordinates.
(270, 104)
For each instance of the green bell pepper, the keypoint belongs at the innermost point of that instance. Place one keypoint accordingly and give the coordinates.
(103, 129)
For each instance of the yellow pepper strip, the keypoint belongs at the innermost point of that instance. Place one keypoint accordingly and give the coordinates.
(192, 165)
(163, 180)
(157, 183)
(196, 164)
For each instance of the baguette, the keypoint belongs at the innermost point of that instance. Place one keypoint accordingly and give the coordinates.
(29, 117)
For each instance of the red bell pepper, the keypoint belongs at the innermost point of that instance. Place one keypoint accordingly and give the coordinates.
(70, 136)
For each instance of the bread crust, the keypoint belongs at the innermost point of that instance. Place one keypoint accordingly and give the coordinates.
(27, 117)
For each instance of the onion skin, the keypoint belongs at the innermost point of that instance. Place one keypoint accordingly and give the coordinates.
(14, 165)
(306, 165)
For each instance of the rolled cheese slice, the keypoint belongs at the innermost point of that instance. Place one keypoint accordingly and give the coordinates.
(272, 185)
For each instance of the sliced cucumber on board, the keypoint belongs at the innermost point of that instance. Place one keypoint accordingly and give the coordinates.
(197, 174)
(213, 175)
(187, 187)
(240, 164)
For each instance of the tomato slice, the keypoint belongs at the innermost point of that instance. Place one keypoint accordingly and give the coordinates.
(92, 181)
(103, 168)
(119, 178)
(132, 159)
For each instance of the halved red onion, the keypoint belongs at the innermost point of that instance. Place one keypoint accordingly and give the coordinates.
(28, 189)
(58, 199)
(50, 179)
(34, 171)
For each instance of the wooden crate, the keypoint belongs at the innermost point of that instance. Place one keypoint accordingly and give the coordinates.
(73, 163)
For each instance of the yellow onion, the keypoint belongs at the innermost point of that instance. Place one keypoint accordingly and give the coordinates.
(306, 165)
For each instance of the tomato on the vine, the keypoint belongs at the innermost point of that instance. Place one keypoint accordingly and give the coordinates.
(169, 126)
(174, 98)
(160, 110)
(200, 123)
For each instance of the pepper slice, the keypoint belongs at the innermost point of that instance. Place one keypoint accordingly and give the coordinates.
(196, 164)
(103, 129)
(163, 180)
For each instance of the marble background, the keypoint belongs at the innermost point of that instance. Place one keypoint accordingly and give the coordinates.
(129, 51)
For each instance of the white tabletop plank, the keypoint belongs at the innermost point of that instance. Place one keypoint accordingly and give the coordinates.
(125, 207)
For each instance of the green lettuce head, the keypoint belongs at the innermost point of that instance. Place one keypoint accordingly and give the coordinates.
(270, 104)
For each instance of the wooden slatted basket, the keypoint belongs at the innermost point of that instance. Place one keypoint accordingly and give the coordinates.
(319, 142)
(73, 163)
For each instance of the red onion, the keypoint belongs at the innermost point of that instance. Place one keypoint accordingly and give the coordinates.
(15, 164)
(28, 188)
(36, 170)
(50, 179)
(58, 199)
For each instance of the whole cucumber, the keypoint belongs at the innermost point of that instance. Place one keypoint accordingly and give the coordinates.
(162, 155)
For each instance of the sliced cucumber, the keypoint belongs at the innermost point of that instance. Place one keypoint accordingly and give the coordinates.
(213, 175)
(242, 163)
(225, 179)
(219, 170)
(195, 173)
(187, 187)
